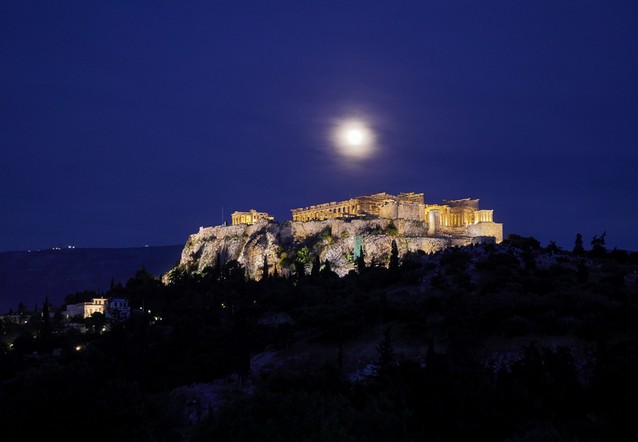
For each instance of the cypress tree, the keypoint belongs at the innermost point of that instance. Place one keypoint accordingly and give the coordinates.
(316, 266)
(361, 264)
(579, 250)
(300, 269)
(266, 266)
(394, 257)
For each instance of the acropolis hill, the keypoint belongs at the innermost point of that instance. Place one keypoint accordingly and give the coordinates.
(336, 232)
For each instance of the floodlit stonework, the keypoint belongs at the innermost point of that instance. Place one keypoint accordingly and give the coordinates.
(331, 232)
(250, 217)
(355, 207)
(453, 217)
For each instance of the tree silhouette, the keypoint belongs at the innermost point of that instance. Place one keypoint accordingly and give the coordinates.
(265, 268)
(598, 245)
(385, 349)
(552, 248)
(96, 322)
(233, 272)
(361, 264)
(45, 325)
(316, 266)
(300, 269)
(326, 271)
(579, 250)
(394, 257)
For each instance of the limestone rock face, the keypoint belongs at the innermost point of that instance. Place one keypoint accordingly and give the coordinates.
(284, 244)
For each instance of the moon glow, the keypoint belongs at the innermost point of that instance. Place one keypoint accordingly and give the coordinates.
(355, 136)
(354, 139)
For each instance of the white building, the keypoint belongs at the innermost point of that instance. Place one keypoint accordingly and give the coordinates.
(113, 308)
(86, 309)
(118, 309)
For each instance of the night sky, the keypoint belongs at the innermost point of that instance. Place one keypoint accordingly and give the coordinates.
(127, 123)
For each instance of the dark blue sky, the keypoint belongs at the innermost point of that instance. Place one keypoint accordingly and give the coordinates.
(128, 123)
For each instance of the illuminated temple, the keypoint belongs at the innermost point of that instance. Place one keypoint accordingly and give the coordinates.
(453, 213)
(451, 217)
(355, 207)
(250, 217)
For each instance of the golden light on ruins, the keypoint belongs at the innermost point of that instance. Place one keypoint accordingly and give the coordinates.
(354, 139)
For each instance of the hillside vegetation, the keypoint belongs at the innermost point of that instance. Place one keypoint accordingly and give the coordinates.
(507, 342)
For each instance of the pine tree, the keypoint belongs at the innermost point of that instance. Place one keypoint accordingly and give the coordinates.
(45, 326)
(552, 248)
(385, 349)
(598, 245)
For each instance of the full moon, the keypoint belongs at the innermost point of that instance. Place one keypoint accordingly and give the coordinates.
(355, 136)
(354, 139)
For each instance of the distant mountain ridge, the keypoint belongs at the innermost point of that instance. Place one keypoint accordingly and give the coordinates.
(30, 277)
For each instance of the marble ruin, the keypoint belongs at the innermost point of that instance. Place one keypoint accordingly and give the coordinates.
(460, 217)
(355, 207)
(338, 230)
(250, 217)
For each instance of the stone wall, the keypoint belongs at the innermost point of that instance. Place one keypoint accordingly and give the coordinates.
(403, 210)
(487, 229)
(331, 240)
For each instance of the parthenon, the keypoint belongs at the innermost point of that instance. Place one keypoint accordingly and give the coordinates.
(451, 213)
(451, 217)
(354, 207)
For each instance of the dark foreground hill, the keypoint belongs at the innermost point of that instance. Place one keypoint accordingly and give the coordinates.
(29, 277)
(511, 342)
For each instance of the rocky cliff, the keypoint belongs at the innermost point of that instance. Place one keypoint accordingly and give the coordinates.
(284, 244)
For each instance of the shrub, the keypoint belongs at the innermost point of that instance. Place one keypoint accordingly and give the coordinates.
(326, 235)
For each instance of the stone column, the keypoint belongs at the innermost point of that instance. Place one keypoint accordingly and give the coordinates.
(434, 221)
